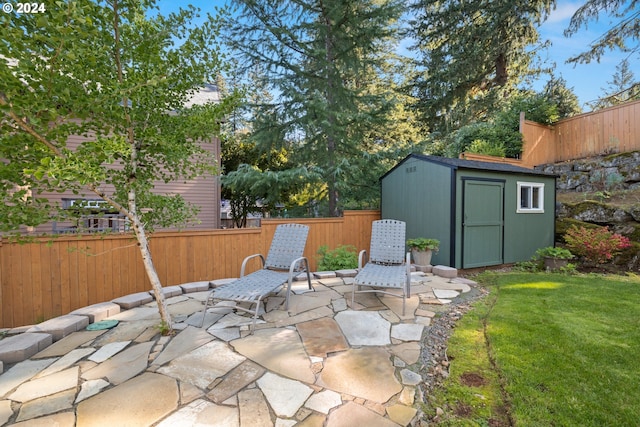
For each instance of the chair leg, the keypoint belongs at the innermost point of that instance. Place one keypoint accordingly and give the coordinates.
(353, 297)
(255, 318)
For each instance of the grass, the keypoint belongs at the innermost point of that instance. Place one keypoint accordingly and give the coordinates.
(554, 350)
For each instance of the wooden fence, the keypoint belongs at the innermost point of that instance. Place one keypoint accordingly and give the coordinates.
(611, 130)
(48, 278)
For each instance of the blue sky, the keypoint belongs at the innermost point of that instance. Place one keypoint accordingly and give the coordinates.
(587, 80)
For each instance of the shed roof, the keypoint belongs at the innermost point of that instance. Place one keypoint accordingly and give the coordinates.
(470, 164)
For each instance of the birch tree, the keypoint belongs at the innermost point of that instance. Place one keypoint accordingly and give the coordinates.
(120, 74)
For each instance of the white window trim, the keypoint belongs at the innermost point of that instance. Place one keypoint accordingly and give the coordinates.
(540, 186)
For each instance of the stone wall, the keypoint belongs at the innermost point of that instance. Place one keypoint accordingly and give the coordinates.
(602, 173)
(598, 178)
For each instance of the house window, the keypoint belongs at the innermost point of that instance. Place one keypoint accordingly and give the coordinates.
(530, 197)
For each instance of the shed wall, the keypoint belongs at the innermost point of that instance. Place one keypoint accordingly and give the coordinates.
(524, 233)
(419, 193)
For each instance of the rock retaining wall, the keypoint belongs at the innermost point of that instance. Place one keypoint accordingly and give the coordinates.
(602, 173)
(596, 176)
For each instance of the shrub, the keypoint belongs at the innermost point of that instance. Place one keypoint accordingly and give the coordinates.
(340, 258)
(554, 252)
(597, 245)
(422, 244)
(480, 146)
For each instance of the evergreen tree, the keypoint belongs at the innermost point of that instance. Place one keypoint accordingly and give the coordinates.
(316, 56)
(624, 35)
(474, 53)
(622, 88)
(564, 98)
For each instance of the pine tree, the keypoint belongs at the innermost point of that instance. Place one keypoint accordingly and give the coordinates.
(315, 56)
(622, 88)
(473, 54)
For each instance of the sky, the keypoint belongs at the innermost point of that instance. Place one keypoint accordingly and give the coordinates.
(589, 81)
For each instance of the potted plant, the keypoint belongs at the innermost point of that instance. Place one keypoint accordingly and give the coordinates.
(554, 258)
(422, 249)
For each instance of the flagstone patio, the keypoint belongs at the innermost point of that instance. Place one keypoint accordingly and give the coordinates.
(321, 363)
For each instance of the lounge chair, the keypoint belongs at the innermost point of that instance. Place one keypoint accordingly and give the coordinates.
(389, 269)
(284, 261)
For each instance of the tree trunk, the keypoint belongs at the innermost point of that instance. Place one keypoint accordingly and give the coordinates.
(152, 274)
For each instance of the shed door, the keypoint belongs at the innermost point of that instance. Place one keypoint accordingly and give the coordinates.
(482, 226)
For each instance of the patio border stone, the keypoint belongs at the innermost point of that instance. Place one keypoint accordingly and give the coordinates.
(98, 312)
(20, 347)
(445, 271)
(61, 326)
(133, 300)
(195, 286)
(169, 291)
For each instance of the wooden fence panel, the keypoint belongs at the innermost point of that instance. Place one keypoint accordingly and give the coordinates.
(48, 278)
(611, 130)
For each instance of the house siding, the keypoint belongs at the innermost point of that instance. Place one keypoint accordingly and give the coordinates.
(203, 192)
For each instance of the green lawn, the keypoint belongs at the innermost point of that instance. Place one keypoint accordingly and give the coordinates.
(554, 350)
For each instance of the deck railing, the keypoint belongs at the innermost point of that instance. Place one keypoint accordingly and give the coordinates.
(53, 276)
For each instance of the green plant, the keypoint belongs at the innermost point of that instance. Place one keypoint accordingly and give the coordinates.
(422, 244)
(597, 245)
(340, 258)
(164, 328)
(553, 252)
(489, 148)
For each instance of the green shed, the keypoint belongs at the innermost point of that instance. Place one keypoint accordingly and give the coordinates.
(483, 213)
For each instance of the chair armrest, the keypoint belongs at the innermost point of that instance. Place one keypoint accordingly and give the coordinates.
(244, 262)
(295, 263)
(361, 258)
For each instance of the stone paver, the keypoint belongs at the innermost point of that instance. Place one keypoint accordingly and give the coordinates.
(278, 350)
(5, 411)
(241, 376)
(324, 401)
(63, 419)
(141, 401)
(445, 293)
(45, 386)
(68, 343)
(21, 373)
(204, 364)
(407, 332)
(201, 413)
(91, 388)
(321, 363)
(67, 360)
(352, 414)
(254, 411)
(364, 327)
(365, 372)
(108, 350)
(46, 405)
(187, 340)
(122, 366)
(322, 336)
(284, 395)
(401, 414)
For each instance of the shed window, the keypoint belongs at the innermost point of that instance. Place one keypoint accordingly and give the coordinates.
(530, 197)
